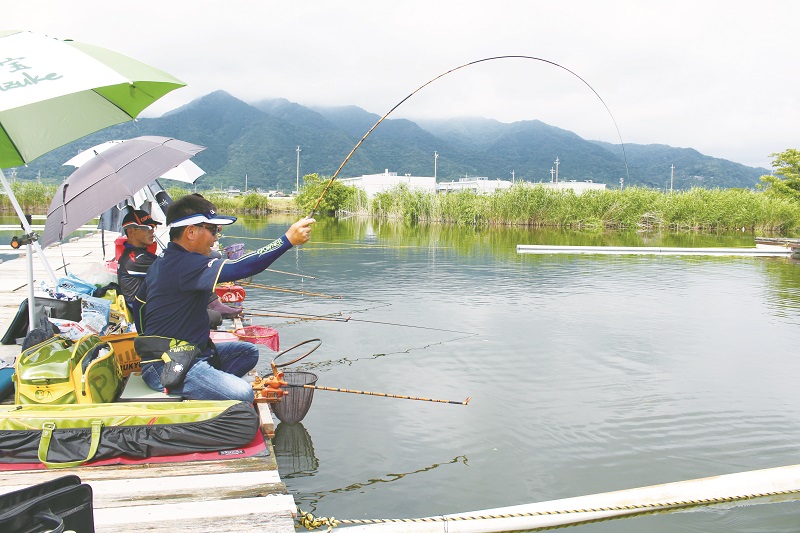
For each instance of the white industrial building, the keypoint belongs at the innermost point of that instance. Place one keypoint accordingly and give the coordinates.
(373, 184)
(480, 184)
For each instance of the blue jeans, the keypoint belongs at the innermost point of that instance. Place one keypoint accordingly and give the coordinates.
(204, 382)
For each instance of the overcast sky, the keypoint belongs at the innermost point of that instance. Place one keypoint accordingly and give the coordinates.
(722, 77)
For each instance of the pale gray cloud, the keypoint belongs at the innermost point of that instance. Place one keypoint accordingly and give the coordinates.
(718, 76)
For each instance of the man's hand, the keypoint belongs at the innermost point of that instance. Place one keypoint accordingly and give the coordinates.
(224, 310)
(300, 231)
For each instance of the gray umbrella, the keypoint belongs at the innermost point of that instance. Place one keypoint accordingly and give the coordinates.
(111, 177)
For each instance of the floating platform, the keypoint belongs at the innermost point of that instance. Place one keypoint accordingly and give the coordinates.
(745, 488)
(758, 251)
(229, 495)
(778, 241)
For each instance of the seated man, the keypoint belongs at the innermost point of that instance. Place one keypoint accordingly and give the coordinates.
(136, 260)
(175, 292)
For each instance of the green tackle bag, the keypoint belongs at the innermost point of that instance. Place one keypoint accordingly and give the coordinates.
(62, 371)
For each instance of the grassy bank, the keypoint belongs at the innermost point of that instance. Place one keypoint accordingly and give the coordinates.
(529, 205)
(522, 205)
(250, 204)
(33, 197)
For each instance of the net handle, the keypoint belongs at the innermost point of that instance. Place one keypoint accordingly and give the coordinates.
(318, 341)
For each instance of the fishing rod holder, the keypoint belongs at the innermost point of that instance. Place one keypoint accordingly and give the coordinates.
(26, 239)
(269, 389)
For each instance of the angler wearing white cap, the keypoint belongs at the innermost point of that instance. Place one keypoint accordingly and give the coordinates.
(174, 295)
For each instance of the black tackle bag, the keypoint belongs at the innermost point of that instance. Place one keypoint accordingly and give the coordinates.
(62, 504)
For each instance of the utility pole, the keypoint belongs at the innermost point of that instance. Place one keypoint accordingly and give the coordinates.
(671, 177)
(556, 170)
(552, 172)
(245, 182)
(297, 177)
(435, 157)
(512, 176)
(621, 183)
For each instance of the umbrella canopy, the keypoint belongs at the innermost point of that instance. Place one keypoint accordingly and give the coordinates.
(109, 178)
(53, 92)
(187, 172)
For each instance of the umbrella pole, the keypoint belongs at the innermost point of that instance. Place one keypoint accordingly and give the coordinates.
(29, 252)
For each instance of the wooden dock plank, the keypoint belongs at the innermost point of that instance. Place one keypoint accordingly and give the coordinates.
(180, 497)
(150, 490)
(265, 418)
(270, 513)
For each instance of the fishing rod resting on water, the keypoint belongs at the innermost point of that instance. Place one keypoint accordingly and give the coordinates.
(418, 89)
(271, 389)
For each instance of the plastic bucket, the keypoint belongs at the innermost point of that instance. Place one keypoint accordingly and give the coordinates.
(293, 408)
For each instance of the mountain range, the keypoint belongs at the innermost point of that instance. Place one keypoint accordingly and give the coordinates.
(259, 140)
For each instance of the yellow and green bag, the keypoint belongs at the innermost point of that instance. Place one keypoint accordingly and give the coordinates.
(70, 435)
(62, 371)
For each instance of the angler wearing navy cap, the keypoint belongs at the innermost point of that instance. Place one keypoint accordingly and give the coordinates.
(175, 293)
(135, 259)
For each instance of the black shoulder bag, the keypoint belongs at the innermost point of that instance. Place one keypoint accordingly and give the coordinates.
(57, 505)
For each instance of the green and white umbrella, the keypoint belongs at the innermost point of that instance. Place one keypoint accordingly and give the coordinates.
(53, 92)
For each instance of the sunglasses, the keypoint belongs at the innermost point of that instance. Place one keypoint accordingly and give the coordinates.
(215, 230)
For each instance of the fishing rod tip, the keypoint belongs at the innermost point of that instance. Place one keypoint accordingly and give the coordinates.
(466, 402)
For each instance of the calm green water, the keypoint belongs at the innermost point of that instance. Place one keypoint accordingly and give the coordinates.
(587, 374)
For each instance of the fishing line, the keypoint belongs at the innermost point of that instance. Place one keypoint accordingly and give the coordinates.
(350, 361)
(298, 316)
(293, 291)
(408, 326)
(335, 245)
(346, 159)
(289, 273)
(285, 314)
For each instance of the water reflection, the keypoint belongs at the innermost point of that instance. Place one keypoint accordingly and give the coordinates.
(294, 451)
(588, 374)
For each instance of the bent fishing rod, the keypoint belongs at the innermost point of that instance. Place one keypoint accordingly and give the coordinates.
(471, 63)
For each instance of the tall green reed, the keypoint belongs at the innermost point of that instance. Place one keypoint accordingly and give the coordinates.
(33, 197)
(631, 208)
